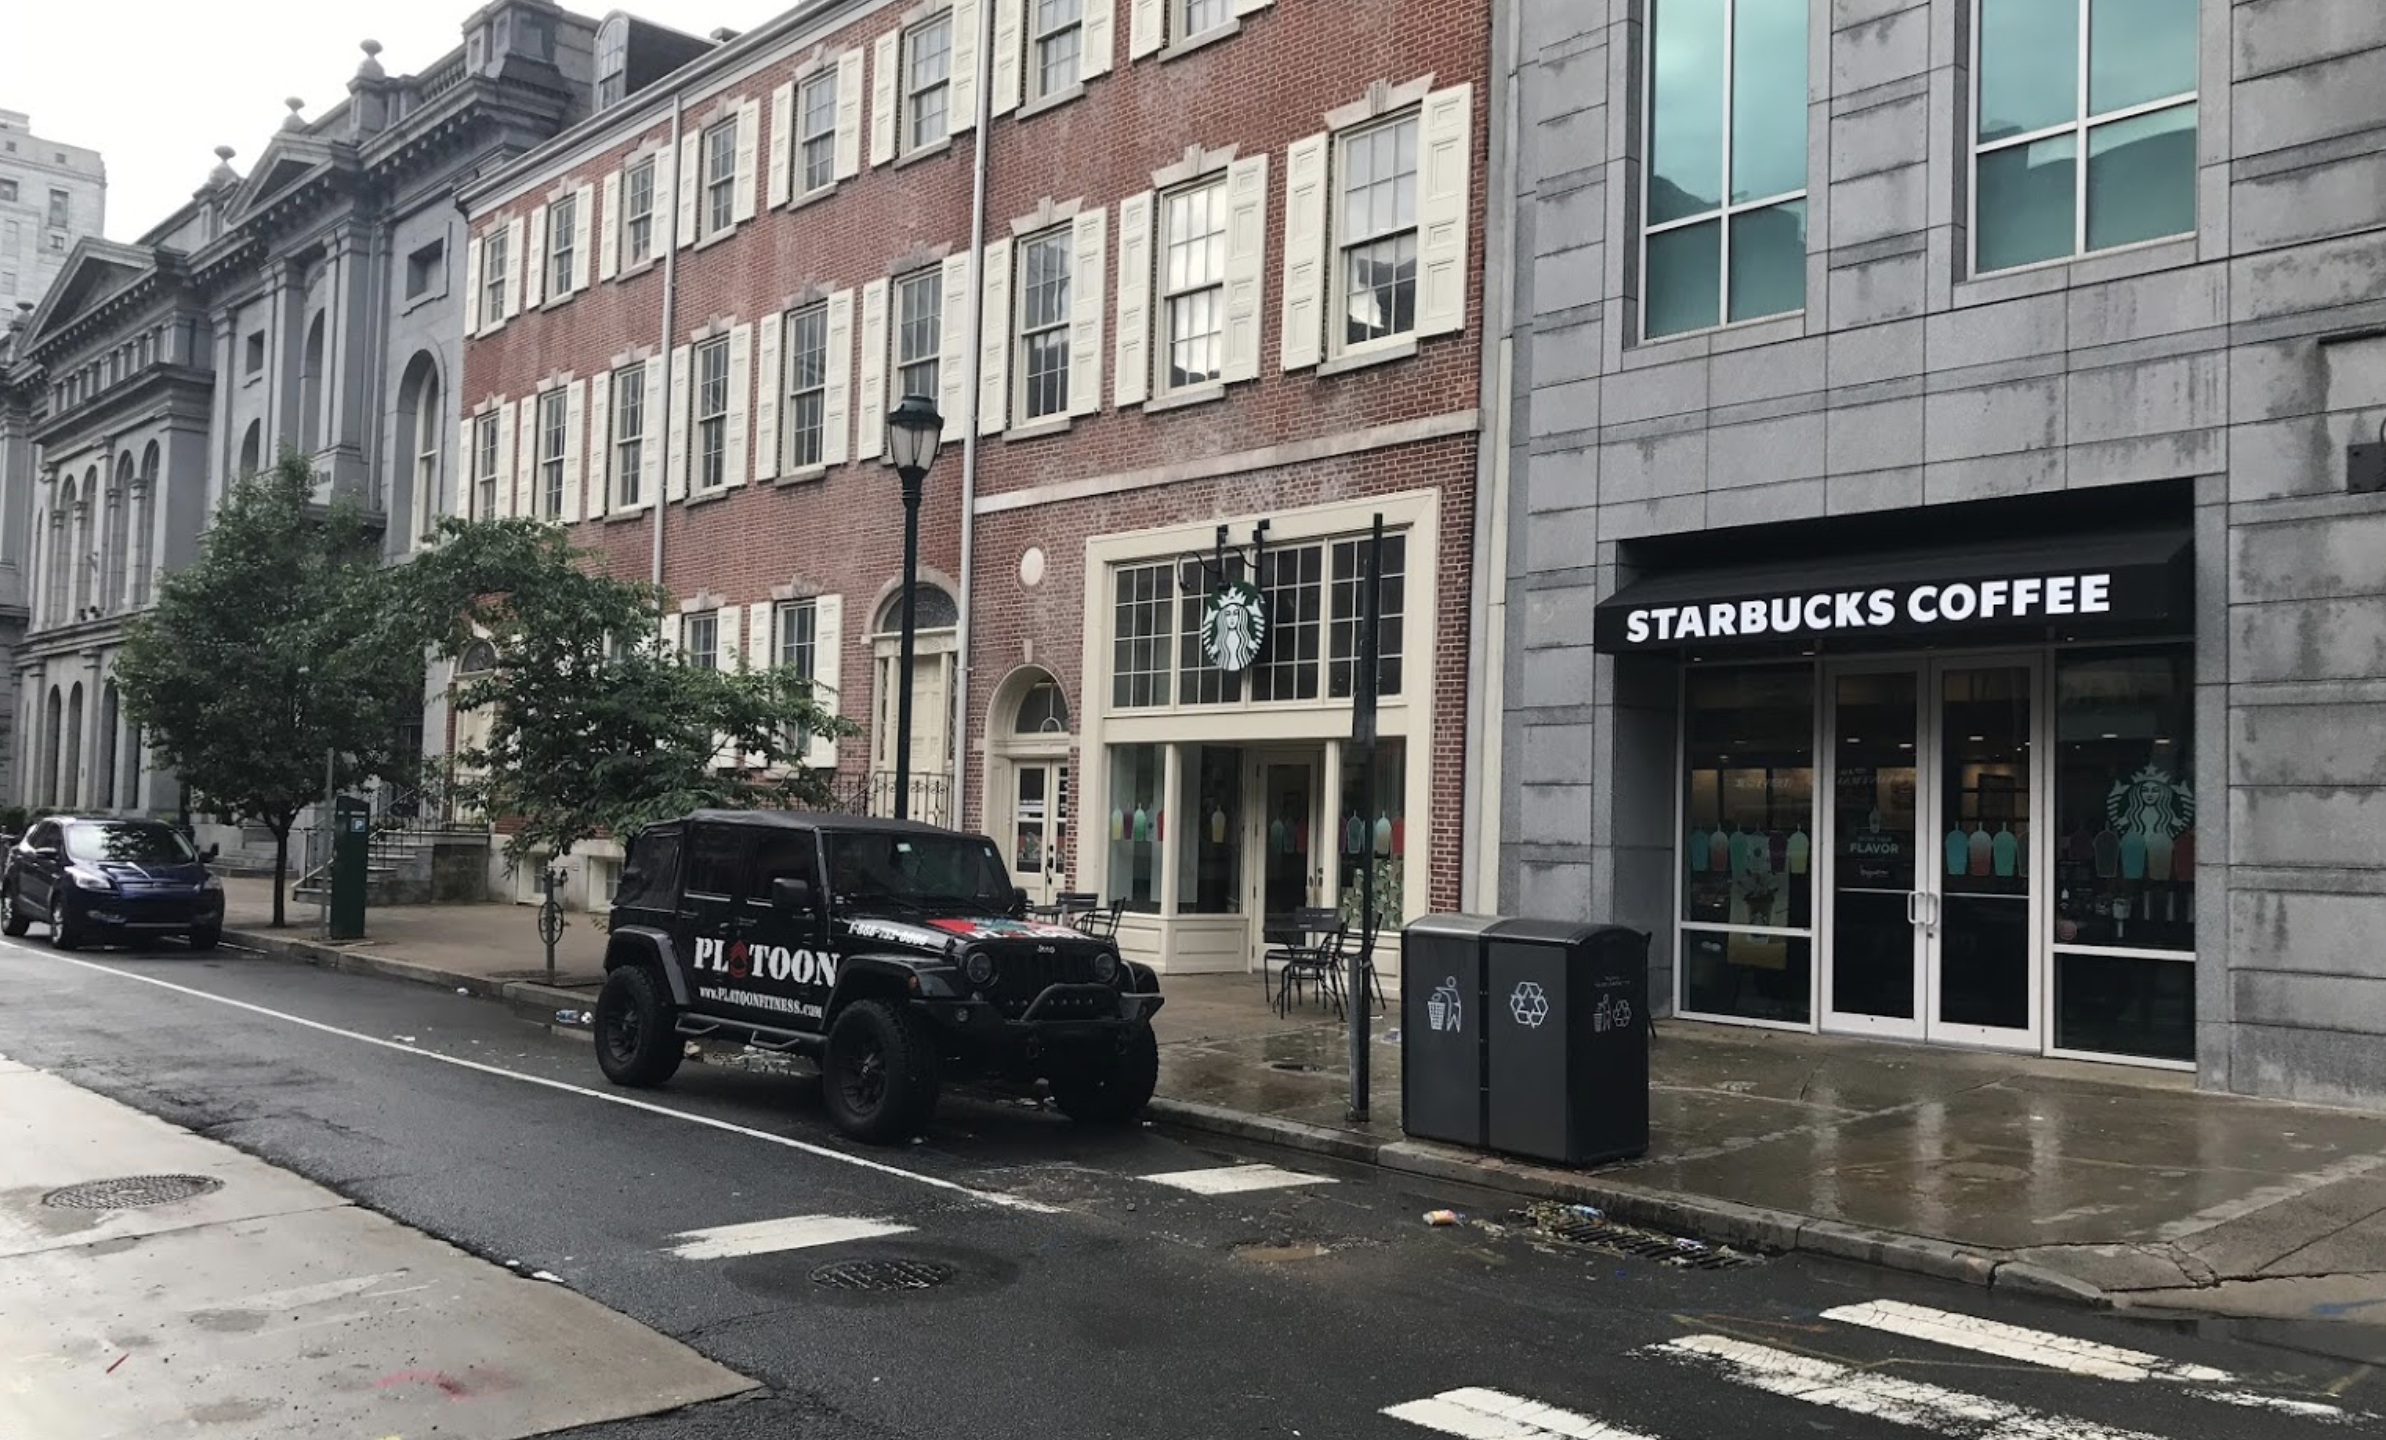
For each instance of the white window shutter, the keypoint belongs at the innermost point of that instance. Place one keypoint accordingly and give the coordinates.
(1444, 155)
(1147, 27)
(652, 397)
(964, 93)
(758, 636)
(849, 114)
(1088, 257)
(1010, 52)
(609, 248)
(526, 458)
(871, 407)
(517, 260)
(506, 457)
(575, 449)
(994, 350)
(1304, 251)
(467, 466)
(782, 142)
(670, 628)
(737, 464)
(600, 443)
(1097, 39)
(1131, 378)
(836, 401)
(1246, 264)
(770, 395)
(472, 285)
(1251, 7)
(675, 434)
(534, 271)
(828, 643)
(749, 149)
(583, 220)
(884, 89)
(952, 355)
(689, 183)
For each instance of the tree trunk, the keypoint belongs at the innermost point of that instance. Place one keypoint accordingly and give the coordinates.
(281, 870)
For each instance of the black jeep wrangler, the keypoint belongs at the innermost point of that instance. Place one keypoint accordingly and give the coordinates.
(892, 952)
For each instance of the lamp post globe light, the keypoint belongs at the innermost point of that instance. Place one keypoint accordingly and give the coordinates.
(913, 432)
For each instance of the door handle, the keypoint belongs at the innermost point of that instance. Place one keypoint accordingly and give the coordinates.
(1913, 907)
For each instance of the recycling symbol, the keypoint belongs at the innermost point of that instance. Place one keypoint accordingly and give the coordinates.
(1529, 1003)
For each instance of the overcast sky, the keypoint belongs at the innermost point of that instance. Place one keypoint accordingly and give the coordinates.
(156, 85)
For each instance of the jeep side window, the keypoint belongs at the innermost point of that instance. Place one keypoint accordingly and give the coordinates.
(714, 861)
(785, 855)
(650, 872)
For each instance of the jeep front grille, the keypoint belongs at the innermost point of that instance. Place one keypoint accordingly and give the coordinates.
(1020, 978)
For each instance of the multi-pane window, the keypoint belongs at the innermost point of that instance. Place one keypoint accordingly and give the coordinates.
(816, 159)
(927, 82)
(1193, 285)
(59, 203)
(807, 386)
(1725, 233)
(919, 332)
(712, 414)
(1347, 617)
(484, 468)
(1044, 324)
(798, 636)
(429, 425)
(1377, 243)
(1058, 30)
(1200, 15)
(494, 258)
(629, 434)
(550, 454)
(720, 177)
(637, 213)
(2086, 125)
(563, 217)
(1290, 579)
(1199, 680)
(1143, 639)
(703, 644)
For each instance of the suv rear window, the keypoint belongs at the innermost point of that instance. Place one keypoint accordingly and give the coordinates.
(647, 875)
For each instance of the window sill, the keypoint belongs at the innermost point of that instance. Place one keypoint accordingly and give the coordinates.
(250, 379)
(715, 238)
(707, 497)
(1180, 399)
(555, 302)
(803, 475)
(1052, 101)
(1206, 38)
(2121, 262)
(1731, 335)
(426, 298)
(1383, 354)
(624, 514)
(628, 271)
(813, 197)
(910, 157)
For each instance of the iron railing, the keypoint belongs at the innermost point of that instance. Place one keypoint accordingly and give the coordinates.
(872, 792)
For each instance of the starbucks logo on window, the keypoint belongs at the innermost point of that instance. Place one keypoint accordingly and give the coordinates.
(2151, 802)
(1234, 625)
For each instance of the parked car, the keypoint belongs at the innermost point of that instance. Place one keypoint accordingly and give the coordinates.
(101, 879)
(892, 952)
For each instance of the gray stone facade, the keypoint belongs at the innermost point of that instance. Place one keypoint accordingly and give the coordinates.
(2228, 368)
(52, 194)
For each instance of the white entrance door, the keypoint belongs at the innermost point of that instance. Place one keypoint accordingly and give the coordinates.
(1038, 826)
(931, 703)
(1286, 831)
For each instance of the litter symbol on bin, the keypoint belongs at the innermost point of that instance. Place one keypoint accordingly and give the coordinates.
(1441, 1007)
(1529, 1004)
(1612, 1014)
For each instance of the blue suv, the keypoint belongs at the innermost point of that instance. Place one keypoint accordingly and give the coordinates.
(102, 878)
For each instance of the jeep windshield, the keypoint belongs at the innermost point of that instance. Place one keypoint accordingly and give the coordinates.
(922, 872)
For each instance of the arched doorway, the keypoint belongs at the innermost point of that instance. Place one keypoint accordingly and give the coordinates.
(421, 428)
(103, 783)
(935, 629)
(310, 390)
(70, 787)
(1027, 804)
(53, 731)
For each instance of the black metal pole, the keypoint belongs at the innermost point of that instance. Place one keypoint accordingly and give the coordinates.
(911, 579)
(1365, 685)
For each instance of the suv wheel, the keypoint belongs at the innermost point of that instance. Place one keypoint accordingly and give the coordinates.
(637, 1043)
(65, 932)
(879, 1075)
(206, 939)
(1113, 1088)
(12, 915)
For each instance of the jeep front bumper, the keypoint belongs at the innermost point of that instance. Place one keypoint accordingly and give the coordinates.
(1061, 1012)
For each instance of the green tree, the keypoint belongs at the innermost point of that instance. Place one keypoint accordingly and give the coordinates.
(271, 653)
(594, 728)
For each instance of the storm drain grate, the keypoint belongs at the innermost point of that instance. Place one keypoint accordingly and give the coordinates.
(1688, 1254)
(130, 1192)
(877, 1275)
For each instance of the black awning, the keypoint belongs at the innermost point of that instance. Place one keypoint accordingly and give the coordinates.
(2111, 581)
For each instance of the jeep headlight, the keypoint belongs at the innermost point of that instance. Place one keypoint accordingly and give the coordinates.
(977, 967)
(1106, 968)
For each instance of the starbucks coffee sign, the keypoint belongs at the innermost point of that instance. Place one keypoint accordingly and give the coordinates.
(1234, 625)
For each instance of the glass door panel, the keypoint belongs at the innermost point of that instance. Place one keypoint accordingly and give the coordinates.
(1874, 967)
(1034, 843)
(1288, 835)
(1985, 956)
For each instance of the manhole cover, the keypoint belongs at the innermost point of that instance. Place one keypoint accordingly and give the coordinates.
(882, 1275)
(1618, 1240)
(130, 1192)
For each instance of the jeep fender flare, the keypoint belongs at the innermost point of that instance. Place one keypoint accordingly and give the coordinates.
(1142, 979)
(861, 977)
(641, 945)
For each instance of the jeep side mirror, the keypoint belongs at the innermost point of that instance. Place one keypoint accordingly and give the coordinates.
(790, 894)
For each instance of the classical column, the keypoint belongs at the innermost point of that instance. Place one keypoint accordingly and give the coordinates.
(224, 446)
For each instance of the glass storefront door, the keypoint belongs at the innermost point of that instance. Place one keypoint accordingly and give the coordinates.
(1037, 826)
(1292, 874)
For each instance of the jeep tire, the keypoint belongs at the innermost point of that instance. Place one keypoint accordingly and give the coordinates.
(637, 1037)
(1111, 1089)
(878, 1075)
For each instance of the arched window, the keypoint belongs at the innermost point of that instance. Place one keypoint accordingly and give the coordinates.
(103, 780)
(53, 730)
(310, 390)
(144, 503)
(1043, 710)
(479, 658)
(932, 609)
(612, 60)
(252, 446)
(117, 533)
(70, 778)
(85, 555)
(422, 423)
(62, 540)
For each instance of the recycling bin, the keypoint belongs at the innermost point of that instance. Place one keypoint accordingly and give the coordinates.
(1567, 1040)
(1441, 1028)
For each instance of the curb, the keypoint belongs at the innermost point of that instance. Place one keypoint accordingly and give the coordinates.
(530, 999)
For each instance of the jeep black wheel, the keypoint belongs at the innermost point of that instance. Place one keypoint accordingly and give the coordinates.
(637, 1039)
(12, 915)
(1114, 1088)
(879, 1076)
(65, 932)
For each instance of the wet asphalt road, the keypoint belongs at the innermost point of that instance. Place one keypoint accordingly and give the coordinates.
(1086, 1299)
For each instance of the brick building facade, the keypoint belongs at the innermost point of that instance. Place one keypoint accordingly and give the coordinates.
(1230, 313)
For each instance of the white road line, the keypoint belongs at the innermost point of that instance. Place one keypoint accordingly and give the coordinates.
(1235, 1179)
(860, 1162)
(1884, 1397)
(2063, 1352)
(1478, 1414)
(766, 1237)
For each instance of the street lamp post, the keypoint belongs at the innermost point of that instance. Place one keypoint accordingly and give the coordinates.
(913, 431)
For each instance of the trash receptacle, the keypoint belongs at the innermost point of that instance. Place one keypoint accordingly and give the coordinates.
(1441, 1028)
(1568, 1048)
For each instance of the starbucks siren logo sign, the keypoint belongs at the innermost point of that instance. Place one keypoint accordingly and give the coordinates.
(1234, 625)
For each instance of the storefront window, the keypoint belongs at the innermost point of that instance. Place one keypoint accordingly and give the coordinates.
(1287, 668)
(1136, 826)
(1373, 837)
(1747, 844)
(1350, 609)
(1141, 638)
(1210, 853)
(1203, 683)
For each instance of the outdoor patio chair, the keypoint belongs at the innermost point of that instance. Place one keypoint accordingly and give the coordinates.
(1351, 944)
(1069, 906)
(1312, 954)
(1102, 922)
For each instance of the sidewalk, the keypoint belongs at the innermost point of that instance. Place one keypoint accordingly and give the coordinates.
(2098, 1183)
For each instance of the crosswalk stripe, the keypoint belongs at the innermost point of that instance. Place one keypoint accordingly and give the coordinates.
(1883, 1397)
(2064, 1352)
(1477, 1414)
(794, 1232)
(1235, 1179)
